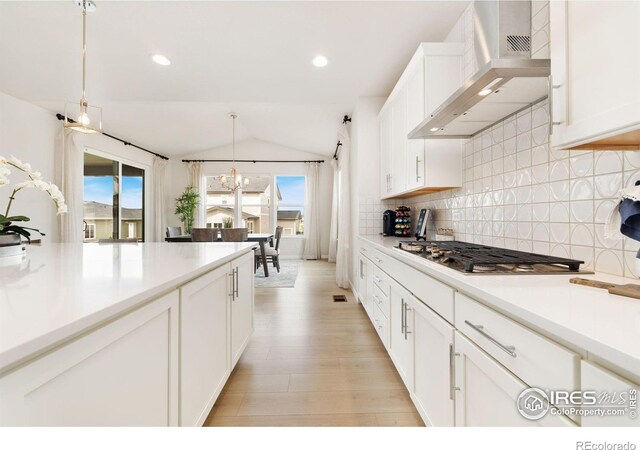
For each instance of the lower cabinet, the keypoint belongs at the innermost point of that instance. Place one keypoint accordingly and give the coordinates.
(241, 295)
(401, 331)
(122, 374)
(205, 363)
(433, 370)
(621, 393)
(486, 393)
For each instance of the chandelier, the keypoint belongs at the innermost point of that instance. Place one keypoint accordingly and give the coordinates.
(86, 114)
(234, 181)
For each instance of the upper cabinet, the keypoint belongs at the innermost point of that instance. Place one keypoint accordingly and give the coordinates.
(413, 166)
(595, 74)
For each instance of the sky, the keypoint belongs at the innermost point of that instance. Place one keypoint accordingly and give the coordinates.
(292, 190)
(100, 189)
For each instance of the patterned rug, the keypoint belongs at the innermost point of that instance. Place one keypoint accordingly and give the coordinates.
(286, 278)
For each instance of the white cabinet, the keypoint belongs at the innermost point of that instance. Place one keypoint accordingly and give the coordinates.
(386, 151)
(365, 282)
(401, 332)
(434, 373)
(122, 374)
(622, 393)
(204, 344)
(417, 165)
(595, 70)
(486, 393)
(241, 295)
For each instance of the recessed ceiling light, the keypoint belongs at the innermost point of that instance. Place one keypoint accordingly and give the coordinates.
(320, 61)
(484, 92)
(434, 129)
(161, 59)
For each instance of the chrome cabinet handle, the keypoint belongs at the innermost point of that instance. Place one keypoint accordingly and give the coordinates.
(402, 325)
(550, 88)
(237, 287)
(509, 349)
(452, 373)
(406, 325)
(377, 259)
(417, 170)
(377, 279)
(233, 282)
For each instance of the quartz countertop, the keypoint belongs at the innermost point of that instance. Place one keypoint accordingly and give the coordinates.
(60, 290)
(604, 325)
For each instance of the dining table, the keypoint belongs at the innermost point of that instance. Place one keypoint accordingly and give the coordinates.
(261, 238)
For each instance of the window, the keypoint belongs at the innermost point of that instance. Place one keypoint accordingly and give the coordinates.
(113, 199)
(89, 231)
(221, 204)
(290, 212)
(256, 204)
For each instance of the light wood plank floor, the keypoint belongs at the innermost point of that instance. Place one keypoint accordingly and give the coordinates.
(313, 362)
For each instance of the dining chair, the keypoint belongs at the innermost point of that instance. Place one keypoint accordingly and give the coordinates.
(174, 231)
(204, 234)
(234, 234)
(272, 253)
(118, 241)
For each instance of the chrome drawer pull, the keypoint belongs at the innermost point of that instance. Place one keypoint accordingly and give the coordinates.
(509, 349)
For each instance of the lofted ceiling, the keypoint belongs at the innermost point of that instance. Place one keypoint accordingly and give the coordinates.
(252, 57)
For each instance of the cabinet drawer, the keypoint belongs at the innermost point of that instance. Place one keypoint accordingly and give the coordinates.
(381, 280)
(381, 300)
(365, 249)
(538, 361)
(381, 324)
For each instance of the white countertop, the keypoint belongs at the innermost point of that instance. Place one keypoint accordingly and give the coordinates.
(605, 325)
(59, 290)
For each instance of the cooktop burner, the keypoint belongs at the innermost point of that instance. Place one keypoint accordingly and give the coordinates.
(482, 259)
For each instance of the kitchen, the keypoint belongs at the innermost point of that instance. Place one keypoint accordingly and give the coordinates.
(465, 256)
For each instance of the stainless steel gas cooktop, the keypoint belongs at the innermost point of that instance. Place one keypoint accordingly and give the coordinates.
(472, 258)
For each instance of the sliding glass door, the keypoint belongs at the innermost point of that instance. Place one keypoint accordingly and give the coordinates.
(114, 195)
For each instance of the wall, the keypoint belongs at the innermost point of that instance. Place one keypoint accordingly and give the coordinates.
(519, 193)
(28, 133)
(291, 247)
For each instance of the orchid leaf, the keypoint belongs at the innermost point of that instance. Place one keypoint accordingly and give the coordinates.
(16, 219)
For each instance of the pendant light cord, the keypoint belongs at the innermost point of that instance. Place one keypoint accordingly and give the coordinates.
(84, 51)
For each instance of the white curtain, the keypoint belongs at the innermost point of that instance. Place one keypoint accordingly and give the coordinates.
(333, 233)
(312, 248)
(195, 180)
(69, 178)
(344, 209)
(158, 220)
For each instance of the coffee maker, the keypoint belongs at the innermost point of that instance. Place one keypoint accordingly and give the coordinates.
(389, 223)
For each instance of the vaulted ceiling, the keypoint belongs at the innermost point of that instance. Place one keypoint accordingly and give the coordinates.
(250, 57)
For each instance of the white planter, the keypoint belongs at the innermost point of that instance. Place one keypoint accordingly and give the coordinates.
(11, 246)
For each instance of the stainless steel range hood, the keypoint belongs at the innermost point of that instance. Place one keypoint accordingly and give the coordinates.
(507, 80)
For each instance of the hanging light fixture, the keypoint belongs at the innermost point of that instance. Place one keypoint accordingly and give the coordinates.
(89, 118)
(234, 181)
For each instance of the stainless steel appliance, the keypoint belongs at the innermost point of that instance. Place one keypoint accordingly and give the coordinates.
(472, 258)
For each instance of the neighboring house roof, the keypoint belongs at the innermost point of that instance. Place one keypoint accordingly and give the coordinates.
(257, 185)
(101, 211)
(290, 215)
(229, 211)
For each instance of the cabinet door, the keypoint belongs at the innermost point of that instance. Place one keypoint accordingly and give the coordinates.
(363, 270)
(386, 144)
(399, 146)
(434, 376)
(595, 70)
(125, 373)
(601, 381)
(241, 305)
(415, 115)
(487, 393)
(401, 332)
(204, 344)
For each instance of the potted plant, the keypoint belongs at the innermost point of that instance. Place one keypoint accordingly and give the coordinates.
(11, 227)
(186, 206)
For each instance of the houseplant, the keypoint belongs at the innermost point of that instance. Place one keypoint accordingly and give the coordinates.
(186, 206)
(11, 227)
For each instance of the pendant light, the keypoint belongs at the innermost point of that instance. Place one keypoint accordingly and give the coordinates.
(235, 181)
(89, 118)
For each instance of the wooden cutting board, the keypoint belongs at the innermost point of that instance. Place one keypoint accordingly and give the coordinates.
(626, 290)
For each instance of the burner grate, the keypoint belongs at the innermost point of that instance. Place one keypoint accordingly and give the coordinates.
(471, 255)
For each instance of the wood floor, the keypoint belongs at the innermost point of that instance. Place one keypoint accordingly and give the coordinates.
(313, 362)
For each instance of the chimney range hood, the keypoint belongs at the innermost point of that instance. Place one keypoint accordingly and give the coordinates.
(507, 81)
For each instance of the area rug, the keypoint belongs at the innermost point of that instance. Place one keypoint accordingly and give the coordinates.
(286, 278)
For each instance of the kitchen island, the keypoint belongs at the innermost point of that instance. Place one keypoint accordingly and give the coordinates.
(121, 334)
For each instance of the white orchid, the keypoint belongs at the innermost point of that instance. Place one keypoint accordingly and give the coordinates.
(7, 223)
